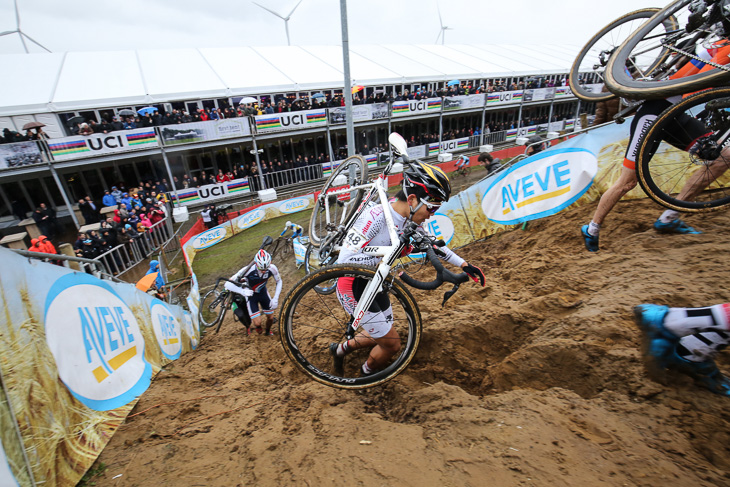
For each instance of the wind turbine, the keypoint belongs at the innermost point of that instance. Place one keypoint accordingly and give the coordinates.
(22, 34)
(442, 32)
(285, 19)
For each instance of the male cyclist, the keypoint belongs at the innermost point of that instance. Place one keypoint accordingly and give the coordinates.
(295, 228)
(462, 163)
(425, 188)
(255, 295)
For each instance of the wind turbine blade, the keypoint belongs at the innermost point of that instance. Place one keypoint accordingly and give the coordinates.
(439, 11)
(292, 10)
(8, 32)
(35, 42)
(17, 17)
(269, 10)
(439, 36)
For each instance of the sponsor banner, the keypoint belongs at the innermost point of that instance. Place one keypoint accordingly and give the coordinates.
(19, 154)
(539, 186)
(360, 113)
(563, 91)
(539, 94)
(463, 102)
(414, 107)
(417, 152)
(300, 249)
(243, 222)
(184, 133)
(212, 192)
(569, 124)
(290, 121)
(93, 349)
(504, 97)
(448, 146)
(92, 145)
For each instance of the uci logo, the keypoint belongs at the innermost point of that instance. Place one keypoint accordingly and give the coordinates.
(540, 186)
(96, 342)
(209, 238)
(167, 329)
(288, 119)
(99, 143)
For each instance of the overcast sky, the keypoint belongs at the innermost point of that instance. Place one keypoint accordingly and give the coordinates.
(103, 25)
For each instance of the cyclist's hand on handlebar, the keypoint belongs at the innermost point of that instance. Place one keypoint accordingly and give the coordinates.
(474, 272)
(247, 292)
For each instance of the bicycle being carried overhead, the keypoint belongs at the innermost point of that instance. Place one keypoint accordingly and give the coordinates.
(368, 331)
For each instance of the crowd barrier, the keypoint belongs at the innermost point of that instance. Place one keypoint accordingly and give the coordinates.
(77, 353)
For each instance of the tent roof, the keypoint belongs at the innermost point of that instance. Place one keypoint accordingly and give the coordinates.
(56, 82)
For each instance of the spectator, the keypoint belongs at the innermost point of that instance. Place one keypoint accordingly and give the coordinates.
(207, 220)
(117, 195)
(108, 199)
(85, 129)
(88, 210)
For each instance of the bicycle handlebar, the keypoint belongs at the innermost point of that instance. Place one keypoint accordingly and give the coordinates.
(442, 273)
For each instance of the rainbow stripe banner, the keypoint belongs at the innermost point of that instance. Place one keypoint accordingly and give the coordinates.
(316, 117)
(532, 130)
(371, 159)
(142, 138)
(188, 196)
(268, 123)
(400, 107)
(68, 147)
(239, 186)
(569, 124)
(290, 120)
(434, 104)
(511, 134)
(213, 192)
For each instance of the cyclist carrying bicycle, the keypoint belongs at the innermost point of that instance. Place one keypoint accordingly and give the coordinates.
(425, 188)
(295, 228)
(254, 293)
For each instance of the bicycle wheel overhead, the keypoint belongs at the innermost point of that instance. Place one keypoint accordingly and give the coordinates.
(689, 172)
(592, 59)
(332, 210)
(692, 56)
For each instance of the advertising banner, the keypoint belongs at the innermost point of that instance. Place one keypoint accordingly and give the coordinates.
(245, 221)
(448, 145)
(415, 107)
(360, 113)
(19, 154)
(290, 121)
(463, 102)
(184, 133)
(78, 352)
(563, 91)
(504, 98)
(212, 192)
(97, 144)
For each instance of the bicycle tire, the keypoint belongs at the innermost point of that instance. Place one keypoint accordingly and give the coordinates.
(621, 83)
(311, 266)
(575, 70)
(208, 315)
(223, 308)
(310, 321)
(317, 224)
(663, 175)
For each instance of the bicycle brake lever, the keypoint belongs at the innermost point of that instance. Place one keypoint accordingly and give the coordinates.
(448, 294)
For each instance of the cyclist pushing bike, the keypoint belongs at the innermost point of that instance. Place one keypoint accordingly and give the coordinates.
(253, 292)
(296, 230)
(425, 188)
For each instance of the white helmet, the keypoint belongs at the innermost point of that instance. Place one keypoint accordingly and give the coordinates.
(262, 260)
(288, 224)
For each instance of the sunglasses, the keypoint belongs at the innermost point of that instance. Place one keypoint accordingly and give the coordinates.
(431, 207)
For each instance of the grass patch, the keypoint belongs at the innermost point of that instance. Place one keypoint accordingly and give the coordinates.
(96, 470)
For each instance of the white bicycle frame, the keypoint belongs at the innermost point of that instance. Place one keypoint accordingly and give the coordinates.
(389, 253)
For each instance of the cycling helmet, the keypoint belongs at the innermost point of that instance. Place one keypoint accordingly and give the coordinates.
(262, 260)
(288, 224)
(429, 179)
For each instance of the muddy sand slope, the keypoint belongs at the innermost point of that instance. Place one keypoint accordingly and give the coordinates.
(536, 379)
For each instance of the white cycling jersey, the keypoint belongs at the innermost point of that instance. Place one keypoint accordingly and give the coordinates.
(371, 229)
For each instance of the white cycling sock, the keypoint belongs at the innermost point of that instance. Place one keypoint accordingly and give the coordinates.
(365, 369)
(342, 349)
(668, 216)
(594, 228)
(688, 321)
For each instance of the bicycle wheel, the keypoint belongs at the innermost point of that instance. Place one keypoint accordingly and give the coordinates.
(210, 308)
(593, 57)
(691, 180)
(310, 321)
(628, 75)
(223, 308)
(313, 264)
(339, 209)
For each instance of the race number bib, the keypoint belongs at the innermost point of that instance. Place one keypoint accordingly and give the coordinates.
(355, 240)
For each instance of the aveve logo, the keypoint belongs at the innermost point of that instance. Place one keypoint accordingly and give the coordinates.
(167, 329)
(96, 342)
(209, 238)
(540, 186)
(247, 220)
(294, 205)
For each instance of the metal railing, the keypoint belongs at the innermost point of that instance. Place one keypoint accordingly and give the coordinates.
(125, 256)
(90, 266)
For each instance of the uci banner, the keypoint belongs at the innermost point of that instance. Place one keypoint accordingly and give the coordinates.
(184, 133)
(92, 145)
(504, 98)
(415, 107)
(77, 354)
(290, 121)
(211, 192)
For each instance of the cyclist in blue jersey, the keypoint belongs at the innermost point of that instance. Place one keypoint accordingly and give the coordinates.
(254, 294)
(295, 228)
